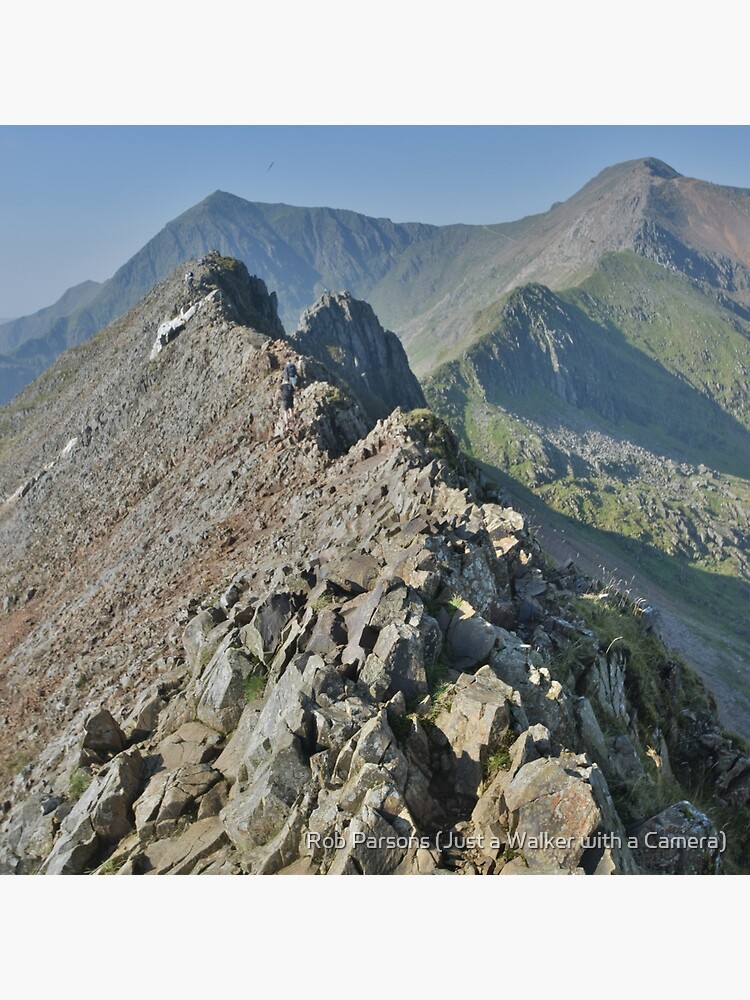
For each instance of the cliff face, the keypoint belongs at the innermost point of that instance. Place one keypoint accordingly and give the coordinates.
(345, 335)
(230, 647)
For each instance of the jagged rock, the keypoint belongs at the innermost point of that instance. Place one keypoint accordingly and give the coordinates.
(329, 635)
(553, 813)
(354, 574)
(490, 816)
(202, 636)
(361, 634)
(345, 335)
(221, 689)
(103, 815)
(680, 840)
(213, 800)
(262, 635)
(254, 816)
(400, 658)
(371, 847)
(734, 781)
(478, 717)
(144, 717)
(471, 639)
(605, 681)
(103, 735)
(332, 566)
(29, 837)
(168, 795)
(185, 854)
(193, 743)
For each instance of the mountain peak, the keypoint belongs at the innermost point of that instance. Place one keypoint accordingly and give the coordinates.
(344, 334)
(660, 169)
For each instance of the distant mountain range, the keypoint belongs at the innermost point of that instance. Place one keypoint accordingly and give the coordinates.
(428, 283)
(597, 356)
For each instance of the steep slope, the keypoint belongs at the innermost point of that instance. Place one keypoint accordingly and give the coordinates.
(228, 649)
(300, 250)
(625, 404)
(699, 229)
(15, 332)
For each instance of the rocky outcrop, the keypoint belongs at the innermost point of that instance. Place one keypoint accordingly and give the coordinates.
(344, 335)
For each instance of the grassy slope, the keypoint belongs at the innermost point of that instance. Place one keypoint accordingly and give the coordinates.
(664, 490)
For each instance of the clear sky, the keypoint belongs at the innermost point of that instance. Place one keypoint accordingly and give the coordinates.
(77, 201)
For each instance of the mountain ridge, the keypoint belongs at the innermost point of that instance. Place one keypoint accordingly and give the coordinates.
(636, 272)
(306, 250)
(239, 648)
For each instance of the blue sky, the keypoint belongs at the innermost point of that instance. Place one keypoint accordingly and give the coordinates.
(77, 201)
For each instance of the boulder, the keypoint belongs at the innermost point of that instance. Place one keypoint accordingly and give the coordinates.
(185, 854)
(470, 638)
(103, 815)
(680, 840)
(262, 635)
(221, 689)
(478, 717)
(553, 813)
(193, 743)
(168, 795)
(103, 735)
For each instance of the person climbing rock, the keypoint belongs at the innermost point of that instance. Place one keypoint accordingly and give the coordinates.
(287, 402)
(189, 278)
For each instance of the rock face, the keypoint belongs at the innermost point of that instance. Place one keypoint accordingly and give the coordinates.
(344, 334)
(329, 649)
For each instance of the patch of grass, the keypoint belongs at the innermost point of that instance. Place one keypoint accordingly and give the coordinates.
(499, 759)
(112, 865)
(325, 600)
(79, 782)
(563, 665)
(254, 687)
(437, 673)
(205, 655)
(454, 602)
(401, 726)
(442, 701)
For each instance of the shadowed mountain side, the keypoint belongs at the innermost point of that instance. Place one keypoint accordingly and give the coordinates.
(53, 319)
(428, 282)
(548, 361)
(302, 250)
(344, 334)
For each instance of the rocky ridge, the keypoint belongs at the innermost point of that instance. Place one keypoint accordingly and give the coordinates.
(335, 650)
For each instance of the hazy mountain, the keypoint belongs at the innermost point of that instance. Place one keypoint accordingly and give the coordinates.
(302, 250)
(424, 282)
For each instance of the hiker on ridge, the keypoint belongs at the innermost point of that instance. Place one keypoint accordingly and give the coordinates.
(291, 373)
(287, 402)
